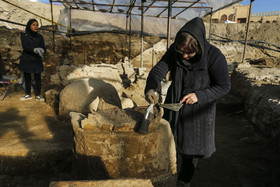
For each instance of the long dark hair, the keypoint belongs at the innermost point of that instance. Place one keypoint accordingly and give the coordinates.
(28, 29)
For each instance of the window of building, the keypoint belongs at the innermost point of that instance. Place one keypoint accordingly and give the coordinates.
(224, 18)
(241, 20)
(215, 20)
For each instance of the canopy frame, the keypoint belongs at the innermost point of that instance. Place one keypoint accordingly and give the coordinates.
(77, 4)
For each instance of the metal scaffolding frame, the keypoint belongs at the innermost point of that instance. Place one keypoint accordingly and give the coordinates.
(114, 8)
(247, 30)
(77, 4)
(144, 8)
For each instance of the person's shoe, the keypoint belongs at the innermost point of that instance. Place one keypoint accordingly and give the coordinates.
(39, 98)
(26, 97)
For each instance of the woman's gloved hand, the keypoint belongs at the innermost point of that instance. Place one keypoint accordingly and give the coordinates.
(153, 97)
(158, 113)
(39, 51)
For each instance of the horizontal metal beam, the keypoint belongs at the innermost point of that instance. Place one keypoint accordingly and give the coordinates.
(57, 1)
(138, 14)
(186, 8)
(138, 6)
(149, 6)
(75, 4)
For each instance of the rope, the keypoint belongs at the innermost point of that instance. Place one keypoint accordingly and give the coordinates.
(37, 15)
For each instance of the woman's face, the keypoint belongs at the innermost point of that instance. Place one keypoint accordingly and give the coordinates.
(34, 26)
(185, 52)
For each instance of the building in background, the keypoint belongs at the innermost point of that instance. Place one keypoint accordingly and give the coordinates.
(236, 13)
(239, 14)
(266, 17)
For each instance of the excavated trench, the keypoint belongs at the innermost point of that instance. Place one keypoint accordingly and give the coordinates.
(41, 152)
(36, 146)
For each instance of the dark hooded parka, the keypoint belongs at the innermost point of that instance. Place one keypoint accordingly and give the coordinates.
(30, 62)
(206, 75)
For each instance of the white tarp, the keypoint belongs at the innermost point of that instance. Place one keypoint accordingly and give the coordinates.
(85, 19)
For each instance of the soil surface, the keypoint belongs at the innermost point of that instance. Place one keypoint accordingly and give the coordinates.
(244, 157)
(35, 146)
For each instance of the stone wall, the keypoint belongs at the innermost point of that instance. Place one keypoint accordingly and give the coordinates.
(260, 87)
(107, 147)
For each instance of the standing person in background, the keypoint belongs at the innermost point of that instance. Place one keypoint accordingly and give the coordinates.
(200, 76)
(31, 59)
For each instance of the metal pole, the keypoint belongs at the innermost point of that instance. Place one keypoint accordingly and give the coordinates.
(126, 31)
(129, 45)
(169, 24)
(53, 29)
(210, 26)
(142, 27)
(247, 29)
(70, 32)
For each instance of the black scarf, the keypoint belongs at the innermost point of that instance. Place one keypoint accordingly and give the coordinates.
(175, 93)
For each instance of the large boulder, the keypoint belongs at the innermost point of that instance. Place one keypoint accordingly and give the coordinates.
(66, 74)
(81, 94)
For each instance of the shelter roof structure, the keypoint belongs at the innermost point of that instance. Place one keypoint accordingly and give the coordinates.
(124, 15)
(109, 15)
(152, 8)
(112, 14)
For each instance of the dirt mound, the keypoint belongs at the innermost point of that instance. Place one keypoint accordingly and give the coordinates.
(257, 31)
(263, 44)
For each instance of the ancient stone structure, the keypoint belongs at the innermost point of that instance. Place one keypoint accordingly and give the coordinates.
(260, 88)
(106, 146)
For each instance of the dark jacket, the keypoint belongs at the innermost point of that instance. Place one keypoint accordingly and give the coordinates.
(207, 76)
(31, 62)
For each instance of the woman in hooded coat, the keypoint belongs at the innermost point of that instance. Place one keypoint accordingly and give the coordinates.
(31, 59)
(200, 76)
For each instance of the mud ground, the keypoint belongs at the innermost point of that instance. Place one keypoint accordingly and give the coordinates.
(243, 158)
